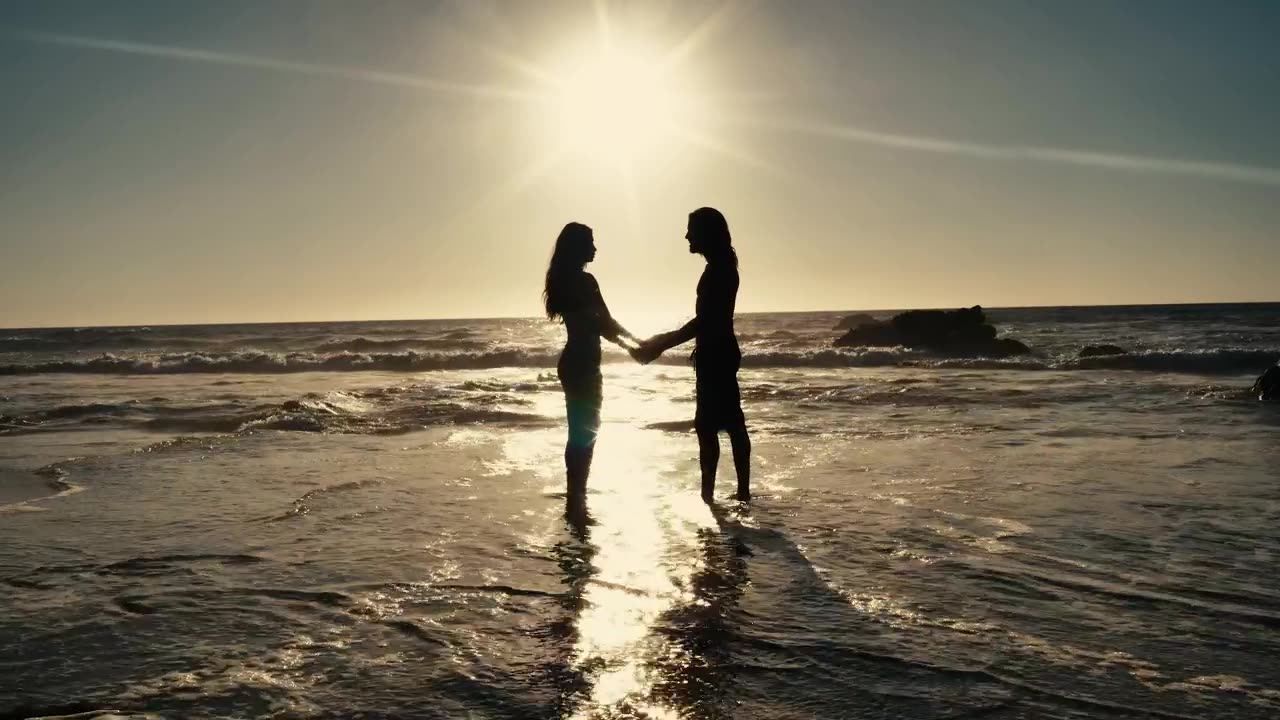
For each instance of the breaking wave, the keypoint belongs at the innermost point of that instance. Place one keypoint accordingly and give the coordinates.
(256, 362)
(1220, 360)
(363, 344)
(1223, 360)
(379, 411)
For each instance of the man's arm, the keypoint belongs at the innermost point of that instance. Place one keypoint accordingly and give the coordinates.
(712, 309)
(666, 341)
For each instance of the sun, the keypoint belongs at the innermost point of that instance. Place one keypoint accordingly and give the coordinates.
(620, 109)
(616, 104)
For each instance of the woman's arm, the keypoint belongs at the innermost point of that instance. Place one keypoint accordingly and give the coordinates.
(610, 329)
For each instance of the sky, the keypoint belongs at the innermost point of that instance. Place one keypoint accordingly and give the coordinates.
(191, 162)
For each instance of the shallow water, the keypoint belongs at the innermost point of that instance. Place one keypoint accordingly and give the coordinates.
(925, 542)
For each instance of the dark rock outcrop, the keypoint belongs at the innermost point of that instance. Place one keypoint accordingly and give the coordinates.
(848, 322)
(1089, 351)
(1008, 347)
(1268, 385)
(954, 332)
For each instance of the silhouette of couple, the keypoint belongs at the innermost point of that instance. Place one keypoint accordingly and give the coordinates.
(572, 296)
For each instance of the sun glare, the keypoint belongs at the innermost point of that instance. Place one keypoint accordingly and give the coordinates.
(619, 107)
(616, 105)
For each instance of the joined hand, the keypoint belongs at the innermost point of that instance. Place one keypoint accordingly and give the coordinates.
(646, 352)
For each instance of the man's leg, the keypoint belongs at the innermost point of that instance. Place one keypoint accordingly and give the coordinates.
(736, 425)
(742, 459)
(708, 458)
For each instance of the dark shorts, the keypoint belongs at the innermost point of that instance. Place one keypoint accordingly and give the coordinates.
(719, 400)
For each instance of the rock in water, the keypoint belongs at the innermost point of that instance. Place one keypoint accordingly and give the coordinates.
(878, 333)
(955, 332)
(848, 322)
(1096, 350)
(1010, 347)
(1268, 386)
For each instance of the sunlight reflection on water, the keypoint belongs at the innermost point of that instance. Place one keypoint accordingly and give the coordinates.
(640, 538)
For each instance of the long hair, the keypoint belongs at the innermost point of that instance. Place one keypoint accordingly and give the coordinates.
(717, 242)
(570, 255)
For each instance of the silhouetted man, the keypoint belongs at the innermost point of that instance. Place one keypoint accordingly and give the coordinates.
(716, 356)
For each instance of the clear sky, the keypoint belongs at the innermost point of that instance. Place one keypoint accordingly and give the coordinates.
(182, 162)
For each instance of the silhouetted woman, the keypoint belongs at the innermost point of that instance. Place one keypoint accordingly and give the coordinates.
(716, 357)
(572, 296)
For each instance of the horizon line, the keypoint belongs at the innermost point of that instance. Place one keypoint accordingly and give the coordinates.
(539, 317)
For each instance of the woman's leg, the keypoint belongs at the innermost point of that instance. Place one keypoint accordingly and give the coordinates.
(570, 414)
(577, 467)
(582, 404)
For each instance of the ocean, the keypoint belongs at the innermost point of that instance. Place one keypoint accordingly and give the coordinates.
(367, 519)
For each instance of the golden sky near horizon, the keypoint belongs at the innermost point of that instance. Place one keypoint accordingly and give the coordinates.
(170, 163)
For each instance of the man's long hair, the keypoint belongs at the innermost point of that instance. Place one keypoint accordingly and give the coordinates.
(714, 229)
